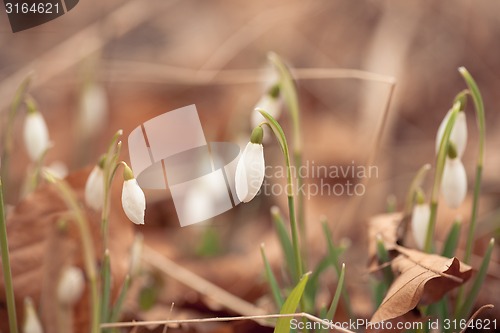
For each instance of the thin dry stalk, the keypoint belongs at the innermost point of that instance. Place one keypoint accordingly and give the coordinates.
(199, 284)
(333, 327)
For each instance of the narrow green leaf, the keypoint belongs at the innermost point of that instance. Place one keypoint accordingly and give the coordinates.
(340, 286)
(287, 85)
(322, 314)
(313, 284)
(451, 242)
(481, 124)
(290, 306)
(285, 242)
(106, 286)
(379, 291)
(383, 257)
(470, 300)
(334, 261)
(117, 307)
(271, 279)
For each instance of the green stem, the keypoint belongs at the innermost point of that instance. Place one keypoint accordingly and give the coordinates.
(440, 163)
(9, 128)
(289, 91)
(280, 136)
(110, 166)
(7, 274)
(88, 248)
(481, 124)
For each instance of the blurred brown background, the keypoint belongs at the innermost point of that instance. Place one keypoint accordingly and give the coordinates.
(155, 56)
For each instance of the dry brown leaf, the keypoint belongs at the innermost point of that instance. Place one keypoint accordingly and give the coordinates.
(39, 249)
(384, 226)
(423, 278)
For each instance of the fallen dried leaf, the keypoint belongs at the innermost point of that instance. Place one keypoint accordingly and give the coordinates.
(423, 278)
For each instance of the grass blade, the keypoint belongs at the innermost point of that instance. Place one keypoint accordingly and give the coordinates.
(271, 279)
(7, 274)
(451, 243)
(466, 308)
(383, 257)
(117, 307)
(285, 242)
(290, 305)
(340, 286)
(334, 261)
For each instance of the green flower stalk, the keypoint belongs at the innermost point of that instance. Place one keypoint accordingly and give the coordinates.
(440, 164)
(7, 275)
(71, 202)
(481, 124)
(289, 93)
(7, 131)
(280, 136)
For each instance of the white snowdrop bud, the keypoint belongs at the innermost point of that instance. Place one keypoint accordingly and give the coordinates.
(250, 169)
(71, 285)
(458, 135)
(133, 199)
(454, 182)
(94, 187)
(420, 220)
(93, 110)
(31, 321)
(36, 134)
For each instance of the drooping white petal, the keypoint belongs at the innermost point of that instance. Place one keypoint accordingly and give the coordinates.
(71, 285)
(133, 201)
(93, 110)
(271, 105)
(31, 323)
(458, 135)
(94, 188)
(454, 182)
(420, 223)
(36, 135)
(250, 172)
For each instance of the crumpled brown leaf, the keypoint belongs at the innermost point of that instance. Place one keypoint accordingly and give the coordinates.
(40, 248)
(423, 278)
(384, 226)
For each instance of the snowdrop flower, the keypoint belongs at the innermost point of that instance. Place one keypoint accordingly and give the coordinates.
(71, 286)
(36, 134)
(133, 199)
(458, 135)
(270, 102)
(94, 188)
(251, 167)
(57, 169)
(31, 322)
(93, 110)
(454, 182)
(420, 220)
